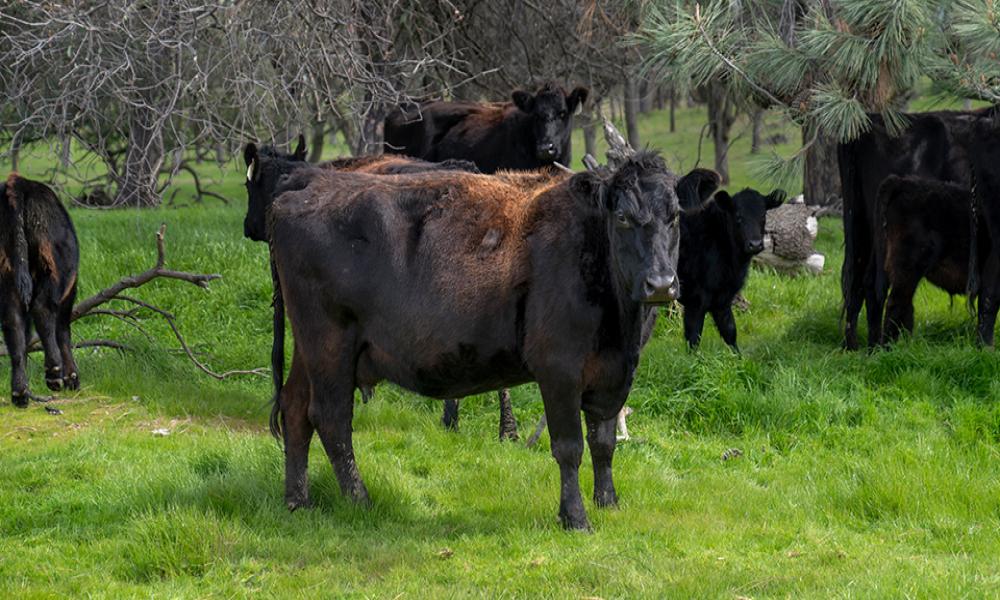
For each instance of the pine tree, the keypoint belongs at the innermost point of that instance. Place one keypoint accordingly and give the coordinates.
(825, 63)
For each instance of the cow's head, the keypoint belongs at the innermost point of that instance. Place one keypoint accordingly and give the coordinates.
(551, 110)
(747, 212)
(643, 222)
(264, 167)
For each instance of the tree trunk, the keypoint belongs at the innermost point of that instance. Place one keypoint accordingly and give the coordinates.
(631, 102)
(371, 135)
(645, 97)
(143, 160)
(316, 141)
(673, 110)
(659, 100)
(758, 125)
(720, 119)
(821, 179)
(15, 152)
(590, 127)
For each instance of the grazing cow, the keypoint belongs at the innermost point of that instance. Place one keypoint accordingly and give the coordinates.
(532, 131)
(39, 257)
(450, 284)
(925, 233)
(942, 146)
(266, 166)
(718, 240)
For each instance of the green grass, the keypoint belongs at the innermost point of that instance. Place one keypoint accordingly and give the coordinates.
(860, 476)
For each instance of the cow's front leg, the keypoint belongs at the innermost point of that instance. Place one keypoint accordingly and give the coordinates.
(449, 416)
(601, 439)
(562, 411)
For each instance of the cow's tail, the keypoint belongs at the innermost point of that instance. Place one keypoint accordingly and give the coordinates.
(973, 283)
(14, 199)
(277, 420)
(885, 196)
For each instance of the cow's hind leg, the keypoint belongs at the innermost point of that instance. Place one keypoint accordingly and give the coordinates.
(71, 377)
(331, 409)
(45, 318)
(15, 337)
(297, 433)
(449, 417)
(508, 424)
(601, 439)
(562, 411)
(989, 301)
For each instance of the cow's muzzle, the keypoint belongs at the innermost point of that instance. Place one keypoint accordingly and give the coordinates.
(661, 289)
(546, 151)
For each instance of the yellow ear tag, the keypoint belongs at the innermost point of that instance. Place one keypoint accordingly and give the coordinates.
(250, 170)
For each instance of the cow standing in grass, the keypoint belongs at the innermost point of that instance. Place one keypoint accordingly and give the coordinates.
(39, 257)
(266, 166)
(529, 132)
(925, 233)
(450, 284)
(718, 240)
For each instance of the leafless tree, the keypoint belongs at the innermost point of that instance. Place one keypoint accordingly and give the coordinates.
(140, 83)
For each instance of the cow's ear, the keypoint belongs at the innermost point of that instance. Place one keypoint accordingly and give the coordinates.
(576, 98)
(250, 157)
(725, 201)
(589, 185)
(300, 150)
(697, 186)
(523, 100)
(775, 199)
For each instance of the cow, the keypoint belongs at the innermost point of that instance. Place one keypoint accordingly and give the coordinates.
(718, 240)
(265, 166)
(943, 146)
(529, 132)
(451, 283)
(925, 233)
(39, 259)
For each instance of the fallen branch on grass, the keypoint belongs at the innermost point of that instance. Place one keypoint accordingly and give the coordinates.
(89, 307)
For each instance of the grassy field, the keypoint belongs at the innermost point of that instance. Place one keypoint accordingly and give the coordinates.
(860, 475)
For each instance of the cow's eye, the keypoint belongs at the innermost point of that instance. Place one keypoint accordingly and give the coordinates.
(622, 219)
(562, 114)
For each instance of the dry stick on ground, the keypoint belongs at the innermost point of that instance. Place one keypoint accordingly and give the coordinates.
(89, 307)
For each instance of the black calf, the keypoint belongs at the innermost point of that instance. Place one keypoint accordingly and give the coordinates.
(718, 239)
(38, 269)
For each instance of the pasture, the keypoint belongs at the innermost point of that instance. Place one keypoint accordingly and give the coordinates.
(793, 470)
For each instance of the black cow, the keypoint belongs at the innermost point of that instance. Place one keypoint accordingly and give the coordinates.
(925, 233)
(39, 257)
(943, 146)
(528, 133)
(718, 240)
(450, 284)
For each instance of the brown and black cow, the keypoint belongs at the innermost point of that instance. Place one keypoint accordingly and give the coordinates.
(529, 132)
(39, 256)
(451, 283)
(265, 166)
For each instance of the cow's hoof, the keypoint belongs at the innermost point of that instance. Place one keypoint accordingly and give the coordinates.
(55, 384)
(20, 399)
(359, 495)
(606, 498)
(294, 504)
(509, 434)
(575, 522)
(72, 381)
